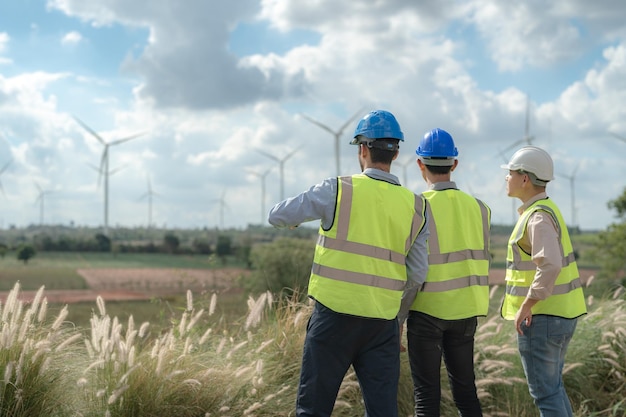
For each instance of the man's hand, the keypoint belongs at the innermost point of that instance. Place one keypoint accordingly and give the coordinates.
(524, 315)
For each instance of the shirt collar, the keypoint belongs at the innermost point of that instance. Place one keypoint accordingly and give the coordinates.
(531, 201)
(443, 185)
(378, 174)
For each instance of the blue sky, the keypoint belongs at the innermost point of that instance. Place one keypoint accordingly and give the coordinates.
(210, 84)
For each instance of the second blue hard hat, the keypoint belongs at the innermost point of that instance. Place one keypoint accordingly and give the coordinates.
(437, 148)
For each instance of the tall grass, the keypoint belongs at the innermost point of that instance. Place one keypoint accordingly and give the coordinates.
(251, 367)
(34, 355)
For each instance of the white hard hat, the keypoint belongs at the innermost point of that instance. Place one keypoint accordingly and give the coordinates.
(534, 160)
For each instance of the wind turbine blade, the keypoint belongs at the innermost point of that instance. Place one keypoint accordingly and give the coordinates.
(503, 156)
(2, 189)
(350, 120)
(513, 145)
(268, 155)
(575, 170)
(315, 122)
(118, 169)
(90, 130)
(290, 154)
(126, 139)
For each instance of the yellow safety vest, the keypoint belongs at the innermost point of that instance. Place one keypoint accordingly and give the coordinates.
(567, 299)
(359, 267)
(457, 283)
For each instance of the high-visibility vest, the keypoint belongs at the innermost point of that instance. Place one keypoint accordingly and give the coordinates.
(359, 267)
(457, 283)
(567, 299)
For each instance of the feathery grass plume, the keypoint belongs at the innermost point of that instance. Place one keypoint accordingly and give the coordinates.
(493, 291)
(189, 301)
(590, 280)
(590, 300)
(212, 304)
(256, 308)
(143, 329)
(194, 320)
(205, 336)
(101, 306)
(43, 309)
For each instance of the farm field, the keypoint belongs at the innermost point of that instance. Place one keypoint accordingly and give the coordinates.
(148, 286)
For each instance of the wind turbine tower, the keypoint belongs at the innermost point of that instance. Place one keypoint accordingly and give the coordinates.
(262, 176)
(104, 166)
(40, 199)
(337, 135)
(222, 202)
(149, 194)
(281, 163)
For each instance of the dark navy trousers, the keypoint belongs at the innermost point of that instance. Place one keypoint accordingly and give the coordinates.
(429, 340)
(335, 341)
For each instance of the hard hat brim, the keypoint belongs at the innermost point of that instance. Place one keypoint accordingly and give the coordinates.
(438, 162)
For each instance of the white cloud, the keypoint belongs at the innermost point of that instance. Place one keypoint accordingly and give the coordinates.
(71, 38)
(208, 112)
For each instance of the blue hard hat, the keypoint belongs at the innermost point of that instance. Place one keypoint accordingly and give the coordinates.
(378, 124)
(437, 148)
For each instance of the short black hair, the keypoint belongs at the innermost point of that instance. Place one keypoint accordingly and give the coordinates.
(383, 156)
(438, 169)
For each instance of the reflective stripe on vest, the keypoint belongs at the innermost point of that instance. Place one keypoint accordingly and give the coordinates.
(457, 282)
(567, 299)
(351, 272)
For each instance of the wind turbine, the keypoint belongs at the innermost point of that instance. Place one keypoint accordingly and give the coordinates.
(281, 163)
(262, 176)
(527, 139)
(337, 134)
(572, 179)
(149, 194)
(4, 168)
(222, 202)
(40, 200)
(104, 166)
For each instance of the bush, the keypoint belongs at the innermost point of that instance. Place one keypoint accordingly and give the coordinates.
(283, 263)
(25, 252)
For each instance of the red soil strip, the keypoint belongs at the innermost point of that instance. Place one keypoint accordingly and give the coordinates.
(142, 284)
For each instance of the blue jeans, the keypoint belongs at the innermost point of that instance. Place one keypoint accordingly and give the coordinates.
(429, 339)
(542, 348)
(334, 342)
